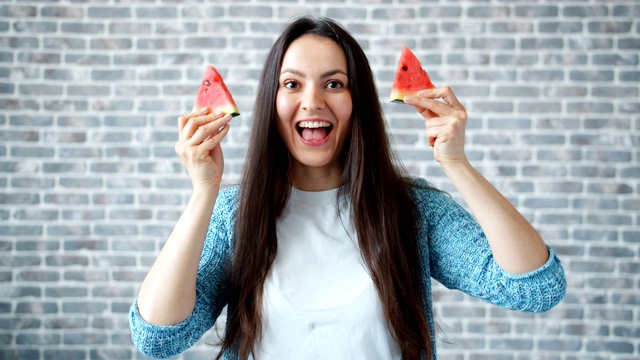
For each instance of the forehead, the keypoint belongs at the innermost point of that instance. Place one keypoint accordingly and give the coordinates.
(314, 52)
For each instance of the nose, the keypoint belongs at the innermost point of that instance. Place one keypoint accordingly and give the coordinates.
(312, 99)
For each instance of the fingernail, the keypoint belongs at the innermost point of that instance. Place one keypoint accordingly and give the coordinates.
(203, 110)
(408, 98)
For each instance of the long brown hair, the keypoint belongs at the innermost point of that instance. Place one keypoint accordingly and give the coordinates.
(383, 211)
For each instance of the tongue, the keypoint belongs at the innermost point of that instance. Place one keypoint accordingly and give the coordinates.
(314, 134)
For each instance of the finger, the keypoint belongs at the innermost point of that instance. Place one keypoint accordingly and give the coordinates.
(426, 113)
(212, 141)
(433, 105)
(195, 123)
(184, 119)
(209, 129)
(445, 93)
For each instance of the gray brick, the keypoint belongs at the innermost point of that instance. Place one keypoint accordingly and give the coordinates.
(109, 12)
(62, 11)
(164, 44)
(463, 28)
(136, 90)
(19, 198)
(629, 43)
(162, 12)
(585, 11)
(186, 28)
(536, 11)
(563, 27)
(610, 283)
(560, 345)
(64, 354)
(203, 12)
(30, 245)
(111, 44)
(40, 89)
(591, 267)
(35, 26)
(541, 43)
(615, 347)
(587, 43)
(245, 12)
(73, 245)
(38, 276)
(18, 11)
(343, 13)
(82, 28)
(130, 28)
(65, 105)
(115, 105)
(488, 11)
(395, 14)
(160, 75)
(31, 120)
(64, 43)
(609, 26)
(36, 214)
(77, 199)
(626, 10)
(19, 42)
(39, 57)
(615, 59)
(88, 90)
(511, 27)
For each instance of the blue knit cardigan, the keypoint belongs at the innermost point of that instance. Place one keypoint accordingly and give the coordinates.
(452, 249)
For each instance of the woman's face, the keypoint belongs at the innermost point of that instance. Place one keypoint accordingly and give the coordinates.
(313, 104)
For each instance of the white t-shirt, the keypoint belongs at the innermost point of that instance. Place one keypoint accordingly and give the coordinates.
(319, 300)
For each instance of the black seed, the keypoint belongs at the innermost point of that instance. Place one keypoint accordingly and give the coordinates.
(207, 83)
(405, 68)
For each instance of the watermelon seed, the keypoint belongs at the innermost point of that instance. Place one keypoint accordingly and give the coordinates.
(405, 68)
(207, 83)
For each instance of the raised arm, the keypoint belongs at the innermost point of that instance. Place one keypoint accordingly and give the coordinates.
(516, 245)
(168, 293)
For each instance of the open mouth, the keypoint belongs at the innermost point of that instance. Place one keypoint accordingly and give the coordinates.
(314, 130)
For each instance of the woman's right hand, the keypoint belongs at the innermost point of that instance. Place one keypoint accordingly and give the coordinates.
(199, 137)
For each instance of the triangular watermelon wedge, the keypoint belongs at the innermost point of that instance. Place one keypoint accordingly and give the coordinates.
(213, 94)
(410, 77)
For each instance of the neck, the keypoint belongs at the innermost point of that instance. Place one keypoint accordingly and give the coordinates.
(308, 178)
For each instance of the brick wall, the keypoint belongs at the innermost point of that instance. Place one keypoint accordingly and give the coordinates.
(90, 186)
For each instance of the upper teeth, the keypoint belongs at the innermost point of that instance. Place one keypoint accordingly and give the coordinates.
(314, 124)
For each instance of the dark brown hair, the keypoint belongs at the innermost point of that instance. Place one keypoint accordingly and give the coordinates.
(383, 211)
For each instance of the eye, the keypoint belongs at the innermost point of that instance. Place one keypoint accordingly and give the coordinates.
(334, 84)
(291, 84)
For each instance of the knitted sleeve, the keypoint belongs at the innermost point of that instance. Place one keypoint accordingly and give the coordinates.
(166, 341)
(460, 258)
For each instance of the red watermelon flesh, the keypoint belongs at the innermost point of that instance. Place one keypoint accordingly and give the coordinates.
(410, 77)
(214, 95)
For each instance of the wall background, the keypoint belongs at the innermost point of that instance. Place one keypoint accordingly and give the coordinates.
(90, 185)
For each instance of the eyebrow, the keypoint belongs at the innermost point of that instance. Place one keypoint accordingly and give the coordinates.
(323, 75)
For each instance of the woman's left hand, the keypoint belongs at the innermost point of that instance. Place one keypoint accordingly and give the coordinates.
(445, 121)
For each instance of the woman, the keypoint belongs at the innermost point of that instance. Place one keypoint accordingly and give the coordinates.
(325, 250)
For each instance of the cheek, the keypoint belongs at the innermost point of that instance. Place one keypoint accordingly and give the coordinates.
(284, 106)
(283, 114)
(345, 110)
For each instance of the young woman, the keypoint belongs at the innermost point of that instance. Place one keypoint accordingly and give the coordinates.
(325, 250)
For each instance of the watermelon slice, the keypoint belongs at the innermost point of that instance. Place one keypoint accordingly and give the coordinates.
(213, 94)
(410, 77)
